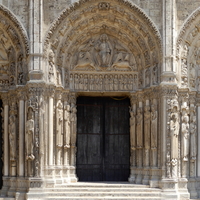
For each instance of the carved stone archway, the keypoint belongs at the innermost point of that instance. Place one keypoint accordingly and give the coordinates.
(108, 47)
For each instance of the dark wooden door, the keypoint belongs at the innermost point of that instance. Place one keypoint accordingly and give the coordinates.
(103, 141)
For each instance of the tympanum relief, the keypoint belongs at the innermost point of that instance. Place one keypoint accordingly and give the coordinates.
(103, 54)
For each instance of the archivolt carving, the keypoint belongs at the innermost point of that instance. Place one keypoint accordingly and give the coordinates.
(8, 19)
(14, 50)
(88, 38)
(188, 46)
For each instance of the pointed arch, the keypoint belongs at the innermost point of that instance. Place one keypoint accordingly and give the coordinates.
(14, 50)
(75, 35)
(188, 51)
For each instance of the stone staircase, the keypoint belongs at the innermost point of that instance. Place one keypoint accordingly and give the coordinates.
(104, 191)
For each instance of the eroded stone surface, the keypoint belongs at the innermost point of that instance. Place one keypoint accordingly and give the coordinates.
(51, 52)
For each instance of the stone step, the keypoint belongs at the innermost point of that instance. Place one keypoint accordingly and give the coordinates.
(110, 189)
(105, 198)
(100, 185)
(105, 194)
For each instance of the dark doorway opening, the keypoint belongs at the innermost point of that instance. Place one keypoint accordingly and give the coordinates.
(1, 143)
(103, 139)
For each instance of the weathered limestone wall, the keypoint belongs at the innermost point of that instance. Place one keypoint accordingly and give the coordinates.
(185, 9)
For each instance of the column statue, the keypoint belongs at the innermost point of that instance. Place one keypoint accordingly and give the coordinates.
(132, 128)
(30, 135)
(67, 126)
(193, 139)
(147, 117)
(154, 116)
(12, 137)
(185, 137)
(73, 119)
(139, 128)
(59, 124)
(174, 131)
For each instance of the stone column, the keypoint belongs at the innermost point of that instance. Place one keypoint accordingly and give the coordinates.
(5, 137)
(185, 138)
(35, 36)
(73, 121)
(139, 139)
(50, 136)
(198, 142)
(133, 137)
(59, 129)
(12, 132)
(146, 151)
(21, 134)
(154, 133)
(67, 130)
(193, 146)
(169, 137)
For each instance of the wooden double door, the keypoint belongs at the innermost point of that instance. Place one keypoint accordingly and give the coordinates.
(103, 139)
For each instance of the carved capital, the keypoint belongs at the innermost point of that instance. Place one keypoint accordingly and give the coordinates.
(5, 98)
(169, 91)
(72, 98)
(21, 95)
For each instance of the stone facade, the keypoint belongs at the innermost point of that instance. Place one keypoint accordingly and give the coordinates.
(52, 51)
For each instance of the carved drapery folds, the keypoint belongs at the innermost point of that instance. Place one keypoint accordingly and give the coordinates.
(173, 118)
(143, 136)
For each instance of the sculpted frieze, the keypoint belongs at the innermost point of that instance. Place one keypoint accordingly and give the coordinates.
(107, 82)
(103, 54)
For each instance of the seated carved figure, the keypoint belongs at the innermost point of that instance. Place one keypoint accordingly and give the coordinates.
(84, 60)
(123, 60)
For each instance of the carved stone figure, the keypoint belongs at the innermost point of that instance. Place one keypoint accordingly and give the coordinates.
(105, 51)
(59, 124)
(154, 116)
(132, 128)
(30, 135)
(84, 60)
(51, 66)
(155, 75)
(139, 128)
(73, 124)
(193, 139)
(184, 69)
(67, 126)
(185, 137)
(147, 77)
(12, 137)
(174, 131)
(147, 127)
